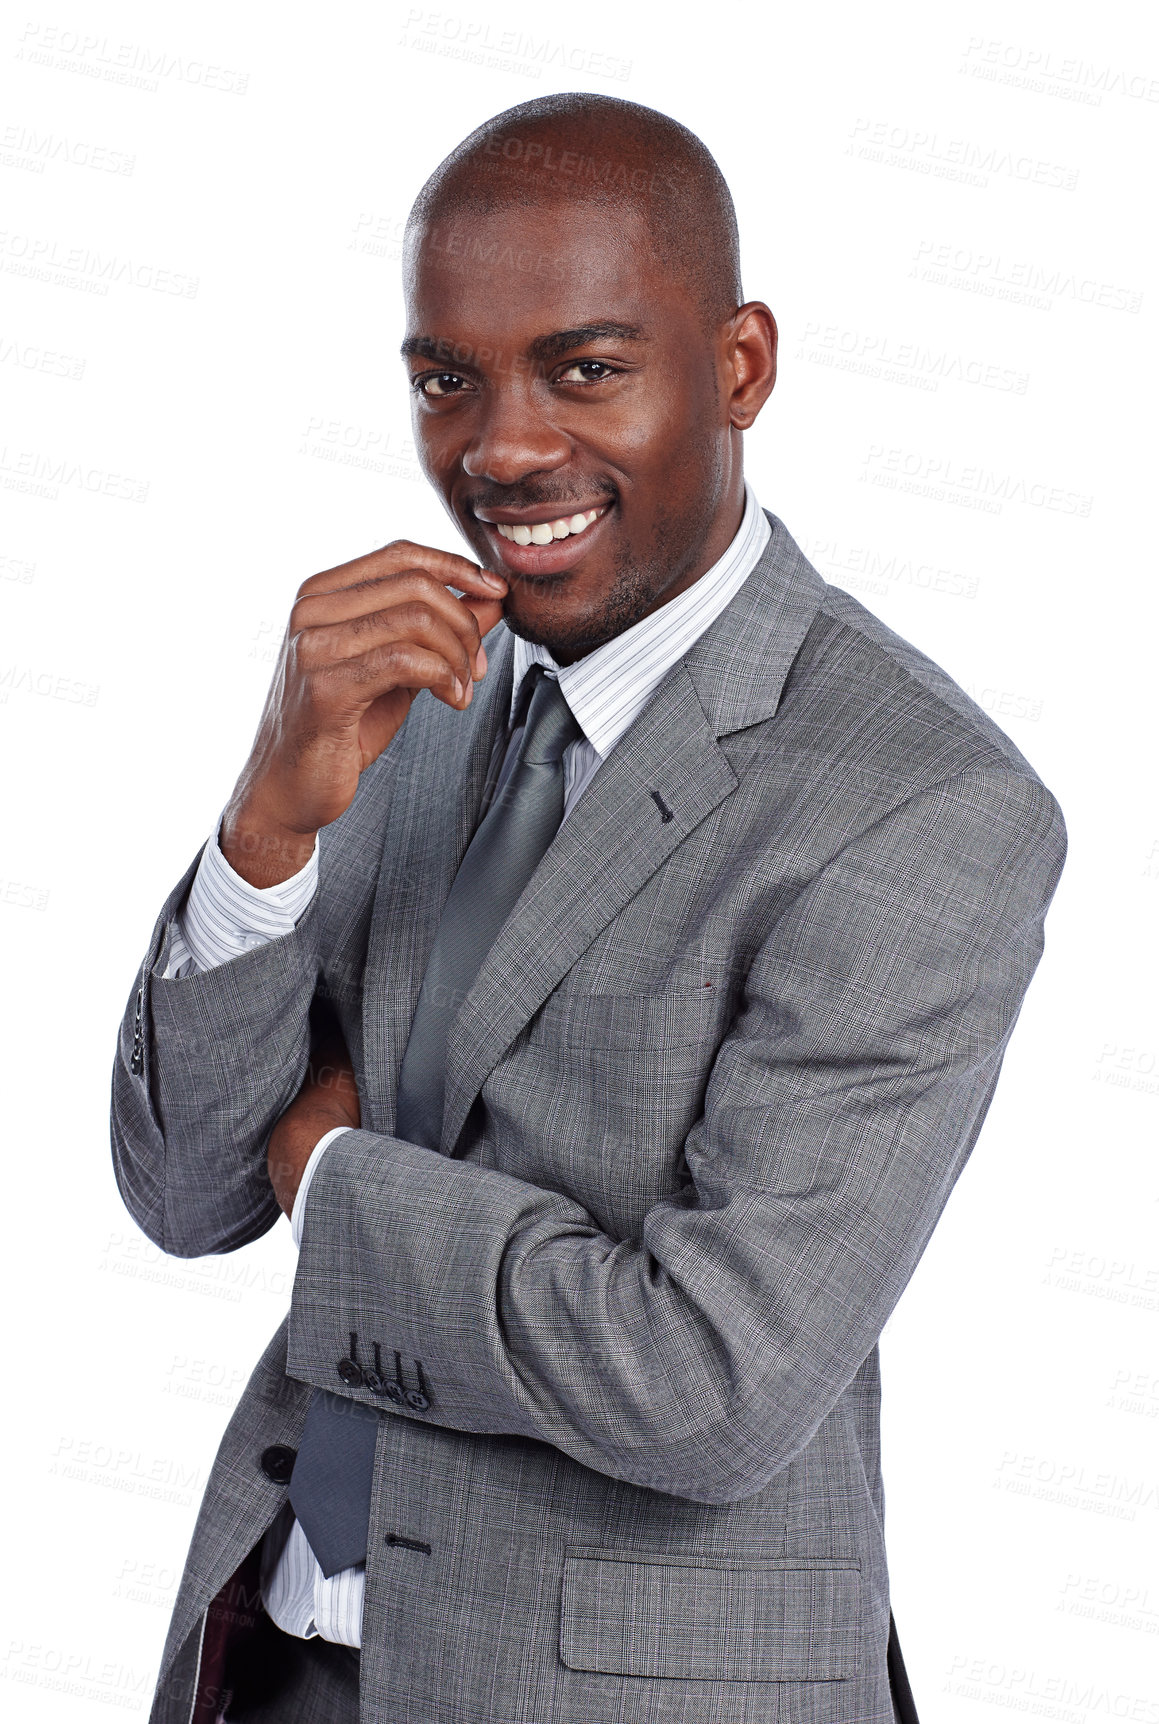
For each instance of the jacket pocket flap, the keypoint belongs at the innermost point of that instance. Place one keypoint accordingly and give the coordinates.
(785, 1619)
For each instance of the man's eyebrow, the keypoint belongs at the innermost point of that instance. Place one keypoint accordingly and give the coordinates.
(544, 348)
(554, 346)
(425, 347)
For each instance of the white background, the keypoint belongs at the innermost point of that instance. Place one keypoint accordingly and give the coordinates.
(948, 208)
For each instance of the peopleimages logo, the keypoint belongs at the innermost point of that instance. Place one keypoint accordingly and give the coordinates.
(919, 149)
(18, 678)
(883, 359)
(51, 260)
(378, 235)
(943, 479)
(1046, 1694)
(25, 147)
(43, 475)
(870, 571)
(1048, 73)
(91, 1677)
(26, 356)
(1018, 280)
(132, 64)
(481, 42)
(1120, 1280)
(1074, 1484)
(535, 157)
(371, 448)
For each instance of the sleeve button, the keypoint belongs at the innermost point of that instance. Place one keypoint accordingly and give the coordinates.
(278, 1463)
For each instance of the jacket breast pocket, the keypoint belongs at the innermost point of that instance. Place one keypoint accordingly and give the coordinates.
(627, 1022)
(788, 1619)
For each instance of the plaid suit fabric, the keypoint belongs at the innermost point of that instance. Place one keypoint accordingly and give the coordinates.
(705, 1102)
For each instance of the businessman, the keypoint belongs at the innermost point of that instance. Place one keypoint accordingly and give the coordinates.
(605, 960)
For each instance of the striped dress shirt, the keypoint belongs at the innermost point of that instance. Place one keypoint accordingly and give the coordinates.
(225, 916)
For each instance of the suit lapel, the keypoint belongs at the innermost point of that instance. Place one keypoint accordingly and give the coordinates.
(614, 839)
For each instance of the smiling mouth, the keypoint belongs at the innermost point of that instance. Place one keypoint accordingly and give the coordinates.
(543, 532)
(539, 550)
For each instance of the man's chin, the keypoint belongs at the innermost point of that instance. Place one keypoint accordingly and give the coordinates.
(543, 611)
(534, 628)
(565, 642)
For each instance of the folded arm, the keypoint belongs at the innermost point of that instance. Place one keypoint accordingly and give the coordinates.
(701, 1357)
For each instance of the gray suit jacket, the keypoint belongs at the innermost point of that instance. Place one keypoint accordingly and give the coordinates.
(705, 1102)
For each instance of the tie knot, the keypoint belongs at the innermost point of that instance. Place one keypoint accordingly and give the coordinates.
(551, 724)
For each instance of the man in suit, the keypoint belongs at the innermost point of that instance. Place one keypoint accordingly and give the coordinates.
(606, 960)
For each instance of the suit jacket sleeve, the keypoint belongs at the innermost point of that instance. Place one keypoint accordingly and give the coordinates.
(206, 1065)
(842, 1105)
(208, 1062)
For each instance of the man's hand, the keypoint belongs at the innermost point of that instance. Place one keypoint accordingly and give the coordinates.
(362, 640)
(328, 1098)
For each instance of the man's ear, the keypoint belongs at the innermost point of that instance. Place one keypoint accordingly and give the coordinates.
(751, 349)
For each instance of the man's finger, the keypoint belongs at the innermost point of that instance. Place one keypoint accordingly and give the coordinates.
(446, 566)
(398, 664)
(379, 594)
(486, 612)
(341, 624)
(329, 645)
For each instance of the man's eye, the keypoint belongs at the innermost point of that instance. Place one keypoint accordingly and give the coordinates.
(589, 371)
(442, 383)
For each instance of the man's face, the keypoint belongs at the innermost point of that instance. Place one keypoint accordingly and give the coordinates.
(557, 369)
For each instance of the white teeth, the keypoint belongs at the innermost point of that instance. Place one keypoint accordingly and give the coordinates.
(544, 532)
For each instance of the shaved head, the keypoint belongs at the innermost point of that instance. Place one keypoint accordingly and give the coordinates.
(608, 156)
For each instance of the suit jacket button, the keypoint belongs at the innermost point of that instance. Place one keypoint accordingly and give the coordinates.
(278, 1463)
(394, 1391)
(416, 1399)
(374, 1381)
(350, 1373)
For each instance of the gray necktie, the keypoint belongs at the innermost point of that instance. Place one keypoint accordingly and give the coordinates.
(334, 1472)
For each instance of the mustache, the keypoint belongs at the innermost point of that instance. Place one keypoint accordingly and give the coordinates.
(538, 497)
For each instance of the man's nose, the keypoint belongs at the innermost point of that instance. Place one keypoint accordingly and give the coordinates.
(513, 440)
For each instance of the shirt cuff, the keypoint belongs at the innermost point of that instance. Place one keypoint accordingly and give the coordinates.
(225, 916)
(298, 1213)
